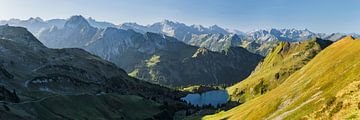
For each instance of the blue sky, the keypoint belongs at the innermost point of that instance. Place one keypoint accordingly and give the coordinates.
(244, 15)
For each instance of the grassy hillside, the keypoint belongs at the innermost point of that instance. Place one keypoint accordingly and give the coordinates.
(37, 82)
(283, 60)
(325, 88)
(106, 106)
(184, 65)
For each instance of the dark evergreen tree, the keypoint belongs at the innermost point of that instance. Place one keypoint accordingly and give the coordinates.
(187, 113)
(14, 98)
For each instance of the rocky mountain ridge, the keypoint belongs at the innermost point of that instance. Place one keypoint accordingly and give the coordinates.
(173, 61)
(195, 34)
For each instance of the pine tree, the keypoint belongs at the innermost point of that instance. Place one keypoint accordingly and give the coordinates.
(14, 97)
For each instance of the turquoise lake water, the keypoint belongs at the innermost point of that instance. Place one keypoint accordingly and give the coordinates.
(214, 98)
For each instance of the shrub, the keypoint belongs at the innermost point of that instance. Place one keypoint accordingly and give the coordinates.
(336, 109)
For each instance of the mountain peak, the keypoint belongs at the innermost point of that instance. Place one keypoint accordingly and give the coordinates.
(37, 19)
(198, 27)
(218, 29)
(349, 37)
(166, 21)
(91, 19)
(214, 26)
(19, 35)
(76, 21)
(234, 36)
(130, 23)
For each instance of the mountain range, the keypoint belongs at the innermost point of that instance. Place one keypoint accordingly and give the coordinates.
(257, 41)
(153, 57)
(132, 46)
(43, 83)
(80, 68)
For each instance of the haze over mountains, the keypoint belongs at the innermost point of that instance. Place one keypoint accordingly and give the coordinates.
(153, 57)
(80, 68)
(213, 37)
(166, 52)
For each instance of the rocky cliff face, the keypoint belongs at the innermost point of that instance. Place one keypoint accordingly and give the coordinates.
(216, 42)
(133, 51)
(214, 38)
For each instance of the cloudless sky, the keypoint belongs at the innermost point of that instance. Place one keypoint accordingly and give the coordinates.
(244, 15)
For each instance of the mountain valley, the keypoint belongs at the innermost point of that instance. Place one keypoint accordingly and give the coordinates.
(154, 57)
(83, 69)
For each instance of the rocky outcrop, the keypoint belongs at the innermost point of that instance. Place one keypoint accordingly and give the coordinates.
(9, 96)
(133, 51)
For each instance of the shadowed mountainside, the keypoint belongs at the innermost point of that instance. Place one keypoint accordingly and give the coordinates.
(72, 84)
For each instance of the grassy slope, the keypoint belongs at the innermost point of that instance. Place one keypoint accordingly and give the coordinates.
(201, 88)
(283, 60)
(321, 89)
(185, 66)
(127, 107)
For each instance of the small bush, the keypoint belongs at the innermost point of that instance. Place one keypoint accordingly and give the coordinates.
(261, 87)
(277, 76)
(337, 108)
(330, 101)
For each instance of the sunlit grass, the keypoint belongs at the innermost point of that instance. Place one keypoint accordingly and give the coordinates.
(306, 93)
